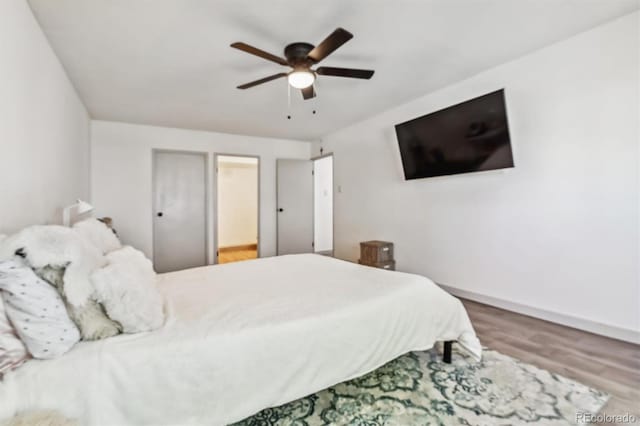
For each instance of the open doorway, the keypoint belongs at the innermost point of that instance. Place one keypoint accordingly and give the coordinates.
(238, 182)
(323, 205)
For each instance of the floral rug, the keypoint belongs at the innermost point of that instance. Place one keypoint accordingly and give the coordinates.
(418, 389)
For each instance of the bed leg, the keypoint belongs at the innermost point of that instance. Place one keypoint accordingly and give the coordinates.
(446, 355)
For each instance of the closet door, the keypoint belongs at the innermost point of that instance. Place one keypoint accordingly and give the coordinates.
(179, 215)
(295, 206)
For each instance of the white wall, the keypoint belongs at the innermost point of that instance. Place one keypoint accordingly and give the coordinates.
(557, 236)
(121, 170)
(237, 203)
(323, 204)
(44, 127)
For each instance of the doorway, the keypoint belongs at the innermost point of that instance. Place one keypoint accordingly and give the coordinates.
(238, 211)
(179, 210)
(323, 205)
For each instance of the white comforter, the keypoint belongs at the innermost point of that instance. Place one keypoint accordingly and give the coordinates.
(242, 337)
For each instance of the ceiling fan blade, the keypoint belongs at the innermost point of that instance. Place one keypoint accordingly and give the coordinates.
(261, 53)
(308, 92)
(337, 38)
(345, 72)
(262, 80)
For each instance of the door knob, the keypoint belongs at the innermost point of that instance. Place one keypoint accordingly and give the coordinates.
(280, 210)
(160, 214)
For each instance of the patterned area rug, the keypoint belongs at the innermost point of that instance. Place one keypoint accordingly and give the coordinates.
(418, 389)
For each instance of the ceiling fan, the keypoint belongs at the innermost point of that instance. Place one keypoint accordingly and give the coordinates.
(301, 57)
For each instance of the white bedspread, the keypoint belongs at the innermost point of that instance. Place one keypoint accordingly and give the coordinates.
(242, 337)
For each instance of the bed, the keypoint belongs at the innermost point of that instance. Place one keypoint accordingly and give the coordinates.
(241, 337)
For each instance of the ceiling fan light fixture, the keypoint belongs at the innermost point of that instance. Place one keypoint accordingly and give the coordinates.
(301, 79)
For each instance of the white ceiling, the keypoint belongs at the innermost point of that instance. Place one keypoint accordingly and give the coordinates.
(168, 62)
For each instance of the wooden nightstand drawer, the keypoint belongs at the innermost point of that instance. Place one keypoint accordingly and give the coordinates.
(376, 252)
(389, 265)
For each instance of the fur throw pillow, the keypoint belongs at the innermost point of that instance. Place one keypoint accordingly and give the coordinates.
(127, 289)
(98, 234)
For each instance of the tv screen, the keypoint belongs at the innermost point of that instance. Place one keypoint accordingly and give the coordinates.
(468, 137)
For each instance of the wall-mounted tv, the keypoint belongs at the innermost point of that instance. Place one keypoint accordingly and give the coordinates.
(468, 137)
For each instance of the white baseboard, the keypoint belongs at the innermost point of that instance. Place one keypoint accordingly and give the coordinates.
(568, 320)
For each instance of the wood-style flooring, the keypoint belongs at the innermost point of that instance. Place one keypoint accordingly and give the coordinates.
(600, 362)
(237, 255)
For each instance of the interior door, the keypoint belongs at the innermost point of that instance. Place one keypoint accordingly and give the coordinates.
(295, 206)
(179, 221)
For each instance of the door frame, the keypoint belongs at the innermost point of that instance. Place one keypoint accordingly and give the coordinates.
(333, 200)
(207, 200)
(214, 193)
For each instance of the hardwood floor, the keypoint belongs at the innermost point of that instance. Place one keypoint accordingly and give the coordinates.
(600, 362)
(237, 255)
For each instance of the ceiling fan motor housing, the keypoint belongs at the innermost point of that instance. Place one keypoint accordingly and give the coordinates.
(296, 54)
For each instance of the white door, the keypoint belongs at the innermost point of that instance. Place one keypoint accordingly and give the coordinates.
(179, 215)
(323, 204)
(295, 206)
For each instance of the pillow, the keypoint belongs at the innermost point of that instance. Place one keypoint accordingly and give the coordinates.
(36, 311)
(64, 249)
(90, 318)
(99, 234)
(12, 350)
(126, 287)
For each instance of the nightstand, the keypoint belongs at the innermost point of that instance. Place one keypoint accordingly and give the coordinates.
(378, 254)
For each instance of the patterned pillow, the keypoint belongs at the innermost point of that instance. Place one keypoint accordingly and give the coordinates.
(36, 311)
(12, 350)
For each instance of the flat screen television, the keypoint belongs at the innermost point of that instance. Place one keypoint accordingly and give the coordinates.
(468, 137)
